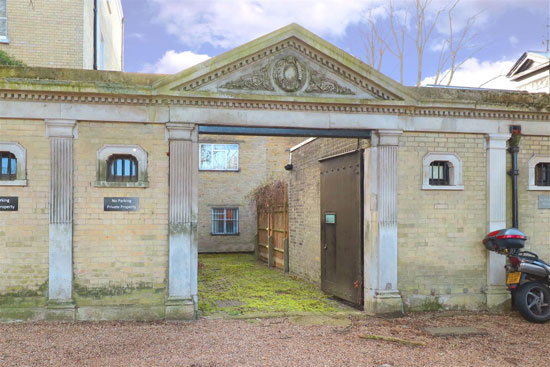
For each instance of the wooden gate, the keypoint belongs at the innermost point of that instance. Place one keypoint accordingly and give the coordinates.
(272, 234)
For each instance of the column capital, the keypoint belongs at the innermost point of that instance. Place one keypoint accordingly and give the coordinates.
(386, 137)
(497, 141)
(57, 128)
(181, 131)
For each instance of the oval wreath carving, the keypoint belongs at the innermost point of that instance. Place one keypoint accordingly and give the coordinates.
(289, 74)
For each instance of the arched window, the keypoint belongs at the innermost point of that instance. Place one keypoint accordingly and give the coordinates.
(542, 174)
(439, 173)
(442, 171)
(122, 168)
(8, 166)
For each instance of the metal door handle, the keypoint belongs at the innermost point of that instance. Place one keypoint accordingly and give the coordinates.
(325, 247)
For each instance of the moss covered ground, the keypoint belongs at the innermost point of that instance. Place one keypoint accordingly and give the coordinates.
(237, 284)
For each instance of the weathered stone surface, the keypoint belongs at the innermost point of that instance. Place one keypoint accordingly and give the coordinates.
(455, 331)
(320, 320)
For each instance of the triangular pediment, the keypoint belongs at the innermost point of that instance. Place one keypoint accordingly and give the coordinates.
(289, 62)
(529, 64)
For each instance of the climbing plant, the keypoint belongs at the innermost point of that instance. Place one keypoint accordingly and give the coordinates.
(7, 60)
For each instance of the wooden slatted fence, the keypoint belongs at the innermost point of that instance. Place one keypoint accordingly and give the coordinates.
(272, 233)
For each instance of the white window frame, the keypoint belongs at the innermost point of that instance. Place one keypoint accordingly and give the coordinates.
(455, 171)
(107, 151)
(532, 163)
(225, 208)
(20, 154)
(5, 38)
(212, 154)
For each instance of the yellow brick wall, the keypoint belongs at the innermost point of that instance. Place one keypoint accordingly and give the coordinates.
(533, 221)
(304, 202)
(439, 231)
(24, 233)
(46, 33)
(120, 248)
(260, 159)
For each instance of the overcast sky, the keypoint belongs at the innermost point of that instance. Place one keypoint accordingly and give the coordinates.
(167, 36)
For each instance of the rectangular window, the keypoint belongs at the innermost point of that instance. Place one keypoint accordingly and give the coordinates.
(219, 157)
(3, 20)
(542, 174)
(225, 220)
(439, 173)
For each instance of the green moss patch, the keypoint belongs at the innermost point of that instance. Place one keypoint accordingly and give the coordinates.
(133, 294)
(237, 284)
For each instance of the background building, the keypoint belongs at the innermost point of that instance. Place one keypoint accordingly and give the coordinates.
(531, 72)
(77, 34)
(231, 167)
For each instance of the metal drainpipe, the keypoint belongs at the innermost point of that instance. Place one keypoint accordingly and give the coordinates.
(95, 34)
(513, 149)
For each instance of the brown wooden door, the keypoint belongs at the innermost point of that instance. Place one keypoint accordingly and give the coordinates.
(342, 226)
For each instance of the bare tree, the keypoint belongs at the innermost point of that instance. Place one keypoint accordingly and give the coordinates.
(374, 44)
(465, 37)
(421, 32)
(398, 30)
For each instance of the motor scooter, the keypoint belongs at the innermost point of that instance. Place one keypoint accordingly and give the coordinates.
(527, 276)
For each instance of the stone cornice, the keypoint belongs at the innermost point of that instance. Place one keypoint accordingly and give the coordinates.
(464, 111)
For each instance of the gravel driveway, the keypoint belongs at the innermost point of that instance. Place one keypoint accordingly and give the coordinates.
(511, 341)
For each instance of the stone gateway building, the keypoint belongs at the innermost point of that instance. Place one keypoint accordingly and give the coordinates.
(99, 180)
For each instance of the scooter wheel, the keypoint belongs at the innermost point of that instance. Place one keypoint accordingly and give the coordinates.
(533, 302)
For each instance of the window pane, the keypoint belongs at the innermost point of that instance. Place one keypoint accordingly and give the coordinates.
(219, 159)
(3, 28)
(206, 156)
(13, 166)
(4, 170)
(3, 8)
(233, 159)
(127, 167)
(433, 172)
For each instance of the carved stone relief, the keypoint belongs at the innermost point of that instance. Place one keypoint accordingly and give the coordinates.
(258, 80)
(290, 75)
(320, 83)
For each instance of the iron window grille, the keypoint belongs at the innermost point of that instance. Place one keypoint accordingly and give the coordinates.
(122, 168)
(8, 166)
(439, 173)
(542, 174)
(225, 220)
(219, 157)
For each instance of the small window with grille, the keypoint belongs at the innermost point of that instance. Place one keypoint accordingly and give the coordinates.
(542, 174)
(439, 173)
(225, 220)
(8, 166)
(122, 168)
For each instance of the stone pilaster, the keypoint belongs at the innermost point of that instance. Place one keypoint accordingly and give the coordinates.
(497, 294)
(381, 293)
(60, 302)
(183, 242)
